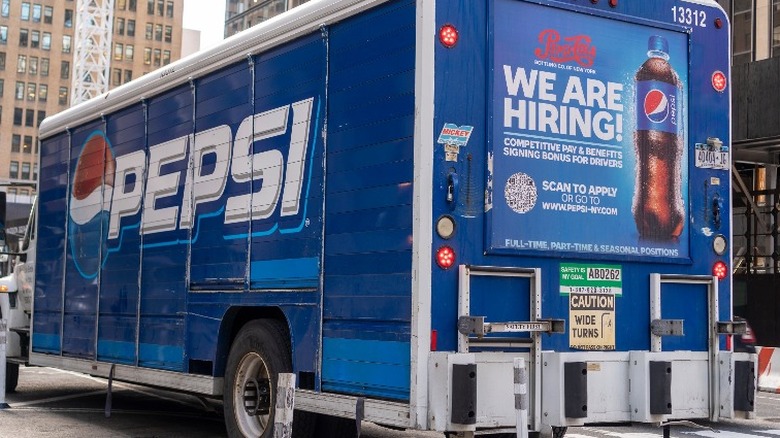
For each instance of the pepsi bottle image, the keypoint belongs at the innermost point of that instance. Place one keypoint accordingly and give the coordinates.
(658, 204)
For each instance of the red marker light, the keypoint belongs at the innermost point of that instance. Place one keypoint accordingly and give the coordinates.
(718, 23)
(720, 270)
(719, 81)
(448, 36)
(445, 257)
(613, 3)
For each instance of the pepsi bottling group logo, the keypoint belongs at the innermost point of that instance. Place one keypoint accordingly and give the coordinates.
(89, 209)
(656, 106)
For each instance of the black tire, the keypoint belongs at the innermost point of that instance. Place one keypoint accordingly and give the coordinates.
(258, 354)
(11, 376)
(559, 432)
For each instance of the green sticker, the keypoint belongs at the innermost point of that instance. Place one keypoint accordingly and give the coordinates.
(591, 279)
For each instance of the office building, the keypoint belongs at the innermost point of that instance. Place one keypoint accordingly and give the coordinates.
(37, 45)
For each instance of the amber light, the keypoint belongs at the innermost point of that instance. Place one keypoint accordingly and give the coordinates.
(448, 36)
(720, 270)
(445, 257)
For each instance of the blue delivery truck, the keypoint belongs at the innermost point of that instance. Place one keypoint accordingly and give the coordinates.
(393, 201)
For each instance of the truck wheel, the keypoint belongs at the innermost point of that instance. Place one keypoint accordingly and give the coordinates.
(11, 376)
(258, 354)
(559, 431)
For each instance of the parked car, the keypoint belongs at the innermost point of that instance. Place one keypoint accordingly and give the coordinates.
(745, 342)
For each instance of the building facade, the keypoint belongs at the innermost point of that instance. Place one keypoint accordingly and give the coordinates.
(243, 14)
(755, 146)
(37, 64)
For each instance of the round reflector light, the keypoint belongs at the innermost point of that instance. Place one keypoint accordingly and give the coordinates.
(719, 82)
(448, 35)
(720, 270)
(445, 257)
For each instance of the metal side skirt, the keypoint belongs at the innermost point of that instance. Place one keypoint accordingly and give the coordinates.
(377, 411)
(193, 383)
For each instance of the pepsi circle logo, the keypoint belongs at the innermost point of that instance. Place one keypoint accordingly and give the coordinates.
(656, 106)
(91, 191)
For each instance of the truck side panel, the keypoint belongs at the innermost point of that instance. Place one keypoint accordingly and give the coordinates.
(368, 228)
(170, 217)
(52, 213)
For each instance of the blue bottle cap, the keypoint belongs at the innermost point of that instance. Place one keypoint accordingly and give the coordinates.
(658, 43)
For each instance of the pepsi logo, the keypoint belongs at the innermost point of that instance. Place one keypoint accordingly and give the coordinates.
(89, 209)
(656, 106)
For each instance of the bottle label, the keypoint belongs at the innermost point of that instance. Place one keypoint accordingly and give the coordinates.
(656, 106)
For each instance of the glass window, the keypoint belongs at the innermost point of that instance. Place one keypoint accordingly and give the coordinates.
(43, 92)
(48, 11)
(120, 26)
(128, 75)
(121, 5)
(149, 31)
(64, 70)
(16, 143)
(160, 7)
(2, 60)
(13, 171)
(147, 55)
(169, 9)
(19, 90)
(63, 96)
(158, 32)
(166, 57)
(775, 28)
(129, 52)
(116, 76)
(23, 37)
(25, 170)
(18, 113)
(130, 27)
(46, 41)
(131, 4)
(157, 57)
(119, 51)
(2, 87)
(33, 65)
(32, 91)
(44, 66)
(35, 172)
(25, 11)
(41, 116)
(21, 64)
(150, 7)
(5, 9)
(3, 34)
(66, 40)
(27, 145)
(742, 31)
(68, 17)
(29, 117)
(36, 13)
(35, 39)
(168, 34)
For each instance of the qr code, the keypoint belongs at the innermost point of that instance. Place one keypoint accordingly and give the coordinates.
(520, 193)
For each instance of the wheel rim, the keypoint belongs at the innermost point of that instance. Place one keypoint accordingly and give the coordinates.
(253, 396)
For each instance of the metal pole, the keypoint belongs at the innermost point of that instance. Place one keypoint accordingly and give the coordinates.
(3, 340)
(521, 397)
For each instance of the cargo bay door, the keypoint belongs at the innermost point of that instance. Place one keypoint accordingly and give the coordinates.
(680, 376)
(499, 318)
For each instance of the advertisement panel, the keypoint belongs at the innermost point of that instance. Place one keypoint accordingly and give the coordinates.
(588, 149)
